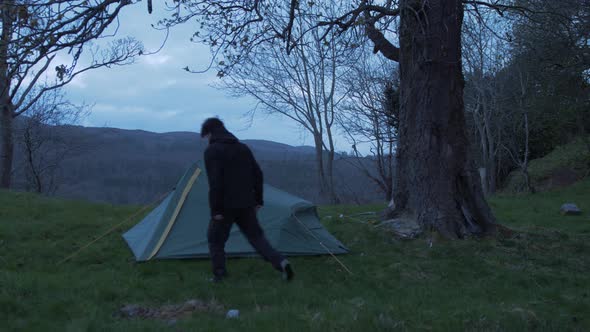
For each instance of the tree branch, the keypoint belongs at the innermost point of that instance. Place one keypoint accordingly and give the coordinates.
(381, 43)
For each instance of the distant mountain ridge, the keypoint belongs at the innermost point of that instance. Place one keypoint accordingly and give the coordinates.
(267, 149)
(123, 166)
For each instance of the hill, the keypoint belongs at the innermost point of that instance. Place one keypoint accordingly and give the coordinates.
(563, 166)
(134, 166)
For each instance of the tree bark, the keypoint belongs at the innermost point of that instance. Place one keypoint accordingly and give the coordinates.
(7, 146)
(330, 172)
(6, 109)
(437, 182)
(525, 158)
(31, 147)
(492, 156)
(330, 163)
(319, 155)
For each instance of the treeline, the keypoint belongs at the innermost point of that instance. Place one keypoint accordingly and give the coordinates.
(527, 85)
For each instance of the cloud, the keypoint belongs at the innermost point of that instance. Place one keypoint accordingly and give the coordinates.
(155, 60)
(78, 82)
(166, 114)
(155, 94)
(168, 83)
(114, 110)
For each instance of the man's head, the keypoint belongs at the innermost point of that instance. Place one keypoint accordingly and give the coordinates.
(211, 125)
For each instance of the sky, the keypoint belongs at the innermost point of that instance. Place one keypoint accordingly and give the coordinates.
(156, 94)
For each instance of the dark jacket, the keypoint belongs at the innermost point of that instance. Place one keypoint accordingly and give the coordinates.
(235, 178)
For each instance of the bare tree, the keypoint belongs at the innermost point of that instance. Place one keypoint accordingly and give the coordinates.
(305, 87)
(370, 118)
(485, 54)
(43, 149)
(518, 146)
(38, 37)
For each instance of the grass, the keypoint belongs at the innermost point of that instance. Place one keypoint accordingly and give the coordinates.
(538, 280)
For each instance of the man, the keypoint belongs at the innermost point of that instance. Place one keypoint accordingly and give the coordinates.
(235, 195)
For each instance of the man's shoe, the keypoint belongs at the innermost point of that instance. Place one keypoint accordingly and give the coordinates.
(288, 273)
(216, 279)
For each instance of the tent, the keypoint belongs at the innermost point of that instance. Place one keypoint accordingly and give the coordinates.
(177, 228)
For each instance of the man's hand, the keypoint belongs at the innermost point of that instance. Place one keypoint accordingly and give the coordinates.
(218, 217)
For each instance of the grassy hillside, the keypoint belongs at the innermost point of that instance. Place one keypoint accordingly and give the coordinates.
(563, 166)
(537, 280)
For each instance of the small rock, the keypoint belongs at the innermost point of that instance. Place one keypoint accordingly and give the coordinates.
(171, 322)
(403, 227)
(570, 209)
(233, 313)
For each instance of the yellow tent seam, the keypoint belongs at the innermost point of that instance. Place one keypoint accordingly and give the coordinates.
(172, 220)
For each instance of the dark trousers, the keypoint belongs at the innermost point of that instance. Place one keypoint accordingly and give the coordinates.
(218, 233)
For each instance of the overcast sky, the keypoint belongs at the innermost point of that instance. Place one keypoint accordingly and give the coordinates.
(155, 94)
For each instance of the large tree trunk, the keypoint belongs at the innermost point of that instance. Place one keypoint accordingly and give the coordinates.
(437, 183)
(7, 146)
(6, 111)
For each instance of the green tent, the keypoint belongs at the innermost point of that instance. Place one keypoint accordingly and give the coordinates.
(177, 228)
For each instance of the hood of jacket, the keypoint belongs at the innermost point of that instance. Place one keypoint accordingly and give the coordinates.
(222, 136)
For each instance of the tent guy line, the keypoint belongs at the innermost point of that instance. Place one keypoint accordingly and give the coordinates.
(323, 245)
(110, 230)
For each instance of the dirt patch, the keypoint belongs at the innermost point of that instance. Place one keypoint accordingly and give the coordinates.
(169, 312)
